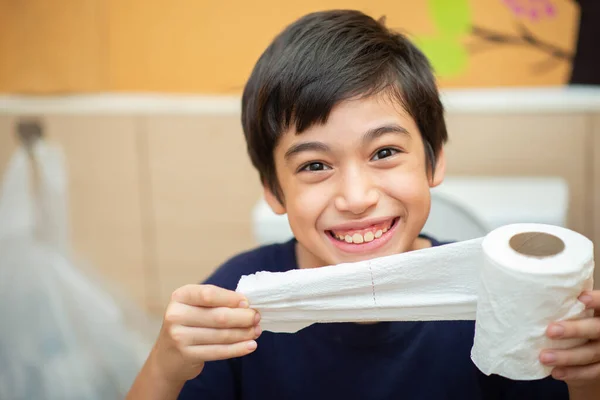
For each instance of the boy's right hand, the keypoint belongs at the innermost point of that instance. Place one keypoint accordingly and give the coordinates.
(203, 323)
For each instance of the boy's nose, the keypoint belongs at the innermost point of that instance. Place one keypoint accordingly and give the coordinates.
(357, 196)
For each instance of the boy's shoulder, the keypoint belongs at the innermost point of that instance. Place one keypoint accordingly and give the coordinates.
(433, 241)
(276, 257)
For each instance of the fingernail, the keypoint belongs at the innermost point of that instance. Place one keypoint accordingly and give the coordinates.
(548, 358)
(556, 331)
(257, 330)
(559, 373)
(257, 318)
(585, 299)
(251, 345)
(243, 304)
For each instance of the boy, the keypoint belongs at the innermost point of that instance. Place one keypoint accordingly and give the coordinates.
(344, 124)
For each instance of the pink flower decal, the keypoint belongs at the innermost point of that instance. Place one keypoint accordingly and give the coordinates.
(532, 9)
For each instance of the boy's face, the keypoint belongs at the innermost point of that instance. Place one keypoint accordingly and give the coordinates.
(356, 187)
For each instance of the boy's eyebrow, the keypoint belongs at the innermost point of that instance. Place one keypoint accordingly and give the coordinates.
(374, 133)
(370, 135)
(305, 146)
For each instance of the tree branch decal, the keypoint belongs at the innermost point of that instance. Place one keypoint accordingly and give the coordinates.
(525, 38)
(534, 10)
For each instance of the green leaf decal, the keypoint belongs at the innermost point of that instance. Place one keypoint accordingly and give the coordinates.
(451, 17)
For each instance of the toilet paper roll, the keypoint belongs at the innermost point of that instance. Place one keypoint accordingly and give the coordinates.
(513, 282)
(531, 275)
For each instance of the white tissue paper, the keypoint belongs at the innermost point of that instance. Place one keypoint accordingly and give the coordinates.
(513, 282)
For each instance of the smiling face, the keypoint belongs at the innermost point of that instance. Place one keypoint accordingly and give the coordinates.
(356, 187)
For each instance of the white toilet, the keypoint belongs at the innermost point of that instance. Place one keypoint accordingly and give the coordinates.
(462, 208)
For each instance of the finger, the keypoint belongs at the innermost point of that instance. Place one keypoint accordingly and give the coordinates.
(220, 351)
(585, 354)
(588, 328)
(581, 373)
(209, 296)
(220, 317)
(187, 336)
(591, 299)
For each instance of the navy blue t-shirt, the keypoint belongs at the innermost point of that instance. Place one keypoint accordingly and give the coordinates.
(386, 360)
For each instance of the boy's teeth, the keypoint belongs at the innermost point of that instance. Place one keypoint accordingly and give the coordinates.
(357, 238)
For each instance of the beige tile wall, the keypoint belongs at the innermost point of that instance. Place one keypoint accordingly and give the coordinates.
(202, 188)
(102, 161)
(7, 139)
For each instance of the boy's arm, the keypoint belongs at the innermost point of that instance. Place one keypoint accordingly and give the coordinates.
(152, 384)
(202, 323)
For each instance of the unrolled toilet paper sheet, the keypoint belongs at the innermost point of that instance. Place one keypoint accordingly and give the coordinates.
(512, 297)
(432, 284)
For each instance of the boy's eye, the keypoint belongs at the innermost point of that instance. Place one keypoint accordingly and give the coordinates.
(384, 153)
(314, 166)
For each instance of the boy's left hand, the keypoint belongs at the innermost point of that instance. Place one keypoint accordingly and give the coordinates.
(578, 366)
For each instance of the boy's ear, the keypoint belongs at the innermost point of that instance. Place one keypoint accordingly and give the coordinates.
(273, 201)
(440, 169)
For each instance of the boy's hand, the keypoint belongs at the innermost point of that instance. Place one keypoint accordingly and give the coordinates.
(203, 323)
(578, 366)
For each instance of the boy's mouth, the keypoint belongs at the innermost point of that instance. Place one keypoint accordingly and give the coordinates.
(365, 235)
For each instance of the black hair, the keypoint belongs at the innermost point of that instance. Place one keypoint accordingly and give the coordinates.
(322, 59)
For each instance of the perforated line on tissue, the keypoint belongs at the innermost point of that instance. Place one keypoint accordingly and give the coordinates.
(372, 283)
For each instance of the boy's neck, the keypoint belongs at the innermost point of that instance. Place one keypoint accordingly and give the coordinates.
(306, 259)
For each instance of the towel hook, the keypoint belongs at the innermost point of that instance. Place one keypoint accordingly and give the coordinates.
(29, 131)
